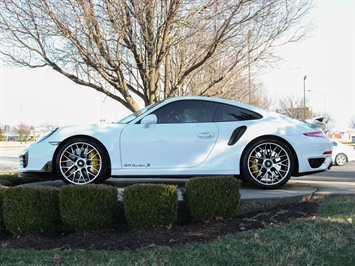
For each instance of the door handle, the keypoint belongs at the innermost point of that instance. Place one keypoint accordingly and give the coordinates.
(206, 135)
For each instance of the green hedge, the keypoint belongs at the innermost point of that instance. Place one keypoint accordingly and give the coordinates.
(209, 198)
(2, 224)
(89, 207)
(31, 210)
(11, 179)
(150, 205)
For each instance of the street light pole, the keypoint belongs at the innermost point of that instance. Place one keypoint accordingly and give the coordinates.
(304, 97)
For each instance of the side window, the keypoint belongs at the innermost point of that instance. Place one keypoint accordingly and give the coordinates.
(186, 111)
(227, 113)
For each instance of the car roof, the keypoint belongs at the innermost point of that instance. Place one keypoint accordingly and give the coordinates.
(215, 99)
(262, 111)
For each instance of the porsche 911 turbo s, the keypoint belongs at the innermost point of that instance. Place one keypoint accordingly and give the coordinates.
(183, 137)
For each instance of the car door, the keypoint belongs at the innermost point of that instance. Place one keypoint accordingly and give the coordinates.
(183, 137)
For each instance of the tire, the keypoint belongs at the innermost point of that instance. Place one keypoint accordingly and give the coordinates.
(267, 163)
(340, 159)
(81, 161)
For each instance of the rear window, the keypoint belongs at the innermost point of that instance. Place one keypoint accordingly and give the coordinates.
(226, 113)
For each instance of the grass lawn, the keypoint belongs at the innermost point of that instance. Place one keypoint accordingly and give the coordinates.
(325, 239)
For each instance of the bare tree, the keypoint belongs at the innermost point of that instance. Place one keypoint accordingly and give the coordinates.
(352, 122)
(150, 49)
(292, 106)
(24, 131)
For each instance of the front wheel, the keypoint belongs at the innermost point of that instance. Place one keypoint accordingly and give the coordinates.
(267, 163)
(340, 159)
(81, 161)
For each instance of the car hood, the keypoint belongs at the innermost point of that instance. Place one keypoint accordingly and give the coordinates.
(92, 130)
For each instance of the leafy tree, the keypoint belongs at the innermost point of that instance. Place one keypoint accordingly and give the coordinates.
(147, 50)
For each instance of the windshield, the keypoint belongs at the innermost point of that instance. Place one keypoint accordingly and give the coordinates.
(136, 114)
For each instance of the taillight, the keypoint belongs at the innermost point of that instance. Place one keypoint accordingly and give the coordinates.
(317, 134)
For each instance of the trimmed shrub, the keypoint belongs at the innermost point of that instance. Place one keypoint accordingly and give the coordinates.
(31, 210)
(2, 224)
(11, 179)
(210, 198)
(5, 183)
(89, 207)
(150, 205)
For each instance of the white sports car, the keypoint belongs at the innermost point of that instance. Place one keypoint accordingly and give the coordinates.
(183, 137)
(342, 153)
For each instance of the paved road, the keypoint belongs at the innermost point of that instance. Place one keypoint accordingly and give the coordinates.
(9, 159)
(345, 173)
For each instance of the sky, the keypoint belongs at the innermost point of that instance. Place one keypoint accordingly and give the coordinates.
(327, 60)
(326, 57)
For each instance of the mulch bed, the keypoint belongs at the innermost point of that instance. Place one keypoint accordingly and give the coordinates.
(123, 238)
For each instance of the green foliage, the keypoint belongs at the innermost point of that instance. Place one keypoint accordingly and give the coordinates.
(2, 224)
(209, 198)
(150, 205)
(89, 207)
(5, 183)
(323, 239)
(11, 179)
(31, 210)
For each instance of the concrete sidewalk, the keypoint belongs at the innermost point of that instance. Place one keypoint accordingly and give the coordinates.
(252, 199)
(295, 191)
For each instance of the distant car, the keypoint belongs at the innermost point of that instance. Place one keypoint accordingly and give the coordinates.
(342, 153)
(183, 137)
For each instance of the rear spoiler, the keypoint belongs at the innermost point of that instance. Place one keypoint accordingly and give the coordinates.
(317, 122)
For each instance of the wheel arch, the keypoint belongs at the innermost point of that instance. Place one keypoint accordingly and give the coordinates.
(62, 143)
(296, 167)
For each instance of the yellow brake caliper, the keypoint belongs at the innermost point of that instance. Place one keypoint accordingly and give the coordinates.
(254, 167)
(95, 161)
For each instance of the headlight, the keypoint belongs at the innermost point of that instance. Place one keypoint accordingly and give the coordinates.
(47, 135)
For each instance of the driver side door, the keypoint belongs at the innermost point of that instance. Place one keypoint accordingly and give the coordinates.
(183, 136)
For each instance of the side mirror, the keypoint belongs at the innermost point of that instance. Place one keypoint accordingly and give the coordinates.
(149, 120)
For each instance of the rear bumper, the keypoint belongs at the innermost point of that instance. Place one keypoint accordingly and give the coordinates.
(317, 162)
(316, 171)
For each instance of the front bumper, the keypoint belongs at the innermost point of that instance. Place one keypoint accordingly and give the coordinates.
(46, 170)
(36, 161)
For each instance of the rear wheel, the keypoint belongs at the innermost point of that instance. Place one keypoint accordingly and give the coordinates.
(81, 161)
(267, 163)
(340, 159)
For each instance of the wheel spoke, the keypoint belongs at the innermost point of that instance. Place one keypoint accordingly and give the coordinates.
(80, 163)
(269, 163)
